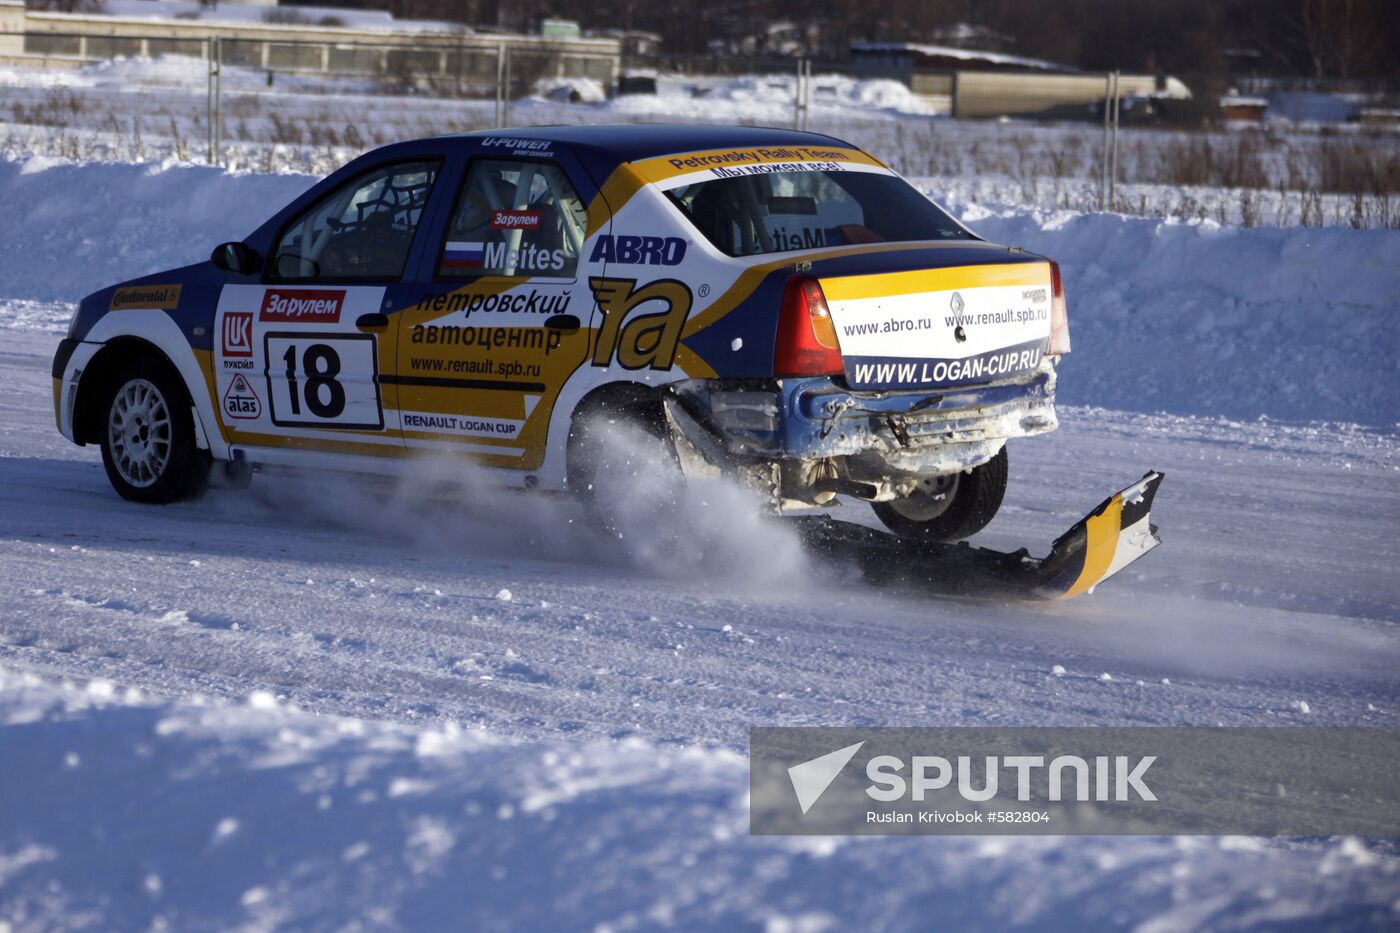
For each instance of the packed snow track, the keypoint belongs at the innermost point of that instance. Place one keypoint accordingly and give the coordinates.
(427, 703)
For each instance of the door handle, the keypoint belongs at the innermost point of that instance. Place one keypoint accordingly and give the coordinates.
(372, 321)
(562, 322)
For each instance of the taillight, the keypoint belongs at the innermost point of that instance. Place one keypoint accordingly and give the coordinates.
(806, 336)
(1059, 314)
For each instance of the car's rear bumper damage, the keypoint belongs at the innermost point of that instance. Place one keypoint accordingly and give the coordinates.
(810, 439)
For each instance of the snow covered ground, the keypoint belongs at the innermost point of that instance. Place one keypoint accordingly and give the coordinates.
(320, 705)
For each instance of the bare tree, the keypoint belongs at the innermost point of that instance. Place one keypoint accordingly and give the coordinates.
(1338, 35)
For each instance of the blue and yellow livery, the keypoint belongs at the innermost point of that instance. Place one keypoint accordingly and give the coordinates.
(775, 305)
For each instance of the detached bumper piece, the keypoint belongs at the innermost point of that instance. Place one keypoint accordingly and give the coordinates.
(1099, 545)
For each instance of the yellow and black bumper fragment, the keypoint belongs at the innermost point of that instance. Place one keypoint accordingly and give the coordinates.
(1099, 545)
(1103, 542)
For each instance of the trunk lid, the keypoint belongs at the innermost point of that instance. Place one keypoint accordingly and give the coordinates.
(933, 328)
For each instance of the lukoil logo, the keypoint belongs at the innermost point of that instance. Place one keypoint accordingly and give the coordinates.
(238, 333)
(1069, 777)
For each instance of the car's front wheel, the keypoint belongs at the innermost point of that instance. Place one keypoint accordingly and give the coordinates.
(949, 508)
(148, 440)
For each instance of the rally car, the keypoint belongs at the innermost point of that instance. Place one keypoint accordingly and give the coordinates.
(778, 306)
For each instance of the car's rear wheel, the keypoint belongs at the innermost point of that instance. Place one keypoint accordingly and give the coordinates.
(622, 465)
(147, 436)
(949, 508)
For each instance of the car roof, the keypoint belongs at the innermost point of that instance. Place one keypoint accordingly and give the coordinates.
(600, 147)
(634, 142)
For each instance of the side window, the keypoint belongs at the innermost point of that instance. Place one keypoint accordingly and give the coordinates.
(363, 230)
(514, 218)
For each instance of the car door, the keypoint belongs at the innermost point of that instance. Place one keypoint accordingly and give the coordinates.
(301, 358)
(496, 329)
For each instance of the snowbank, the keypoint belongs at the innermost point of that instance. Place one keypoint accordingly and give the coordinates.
(136, 813)
(761, 99)
(135, 72)
(73, 228)
(571, 90)
(1291, 324)
(1295, 323)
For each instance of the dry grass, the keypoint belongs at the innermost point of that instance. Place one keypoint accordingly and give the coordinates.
(59, 108)
(1246, 178)
(1306, 179)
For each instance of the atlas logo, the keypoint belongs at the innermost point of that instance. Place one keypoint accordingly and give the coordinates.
(240, 401)
(646, 340)
(628, 250)
(311, 306)
(238, 333)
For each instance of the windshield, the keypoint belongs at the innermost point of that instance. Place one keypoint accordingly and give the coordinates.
(778, 212)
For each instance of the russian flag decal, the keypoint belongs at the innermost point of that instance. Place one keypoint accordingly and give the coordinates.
(464, 255)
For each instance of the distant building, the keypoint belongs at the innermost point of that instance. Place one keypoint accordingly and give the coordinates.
(636, 43)
(979, 83)
(353, 42)
(1243, 108)
(908, 60)
(560, 29)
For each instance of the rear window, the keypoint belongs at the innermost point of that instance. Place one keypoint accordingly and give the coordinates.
(780, 212)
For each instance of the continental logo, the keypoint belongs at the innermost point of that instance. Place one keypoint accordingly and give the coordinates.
(309, 306)
(645, 340)
(161, 297)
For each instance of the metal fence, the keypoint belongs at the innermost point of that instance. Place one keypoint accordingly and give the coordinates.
(473, 67)
(470, 66)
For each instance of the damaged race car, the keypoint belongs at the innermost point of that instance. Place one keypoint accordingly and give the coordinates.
(775, 306)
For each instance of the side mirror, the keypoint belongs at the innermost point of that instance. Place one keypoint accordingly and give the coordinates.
(238, 258)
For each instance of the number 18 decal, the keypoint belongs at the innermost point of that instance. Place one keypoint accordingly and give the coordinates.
(323, 380)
